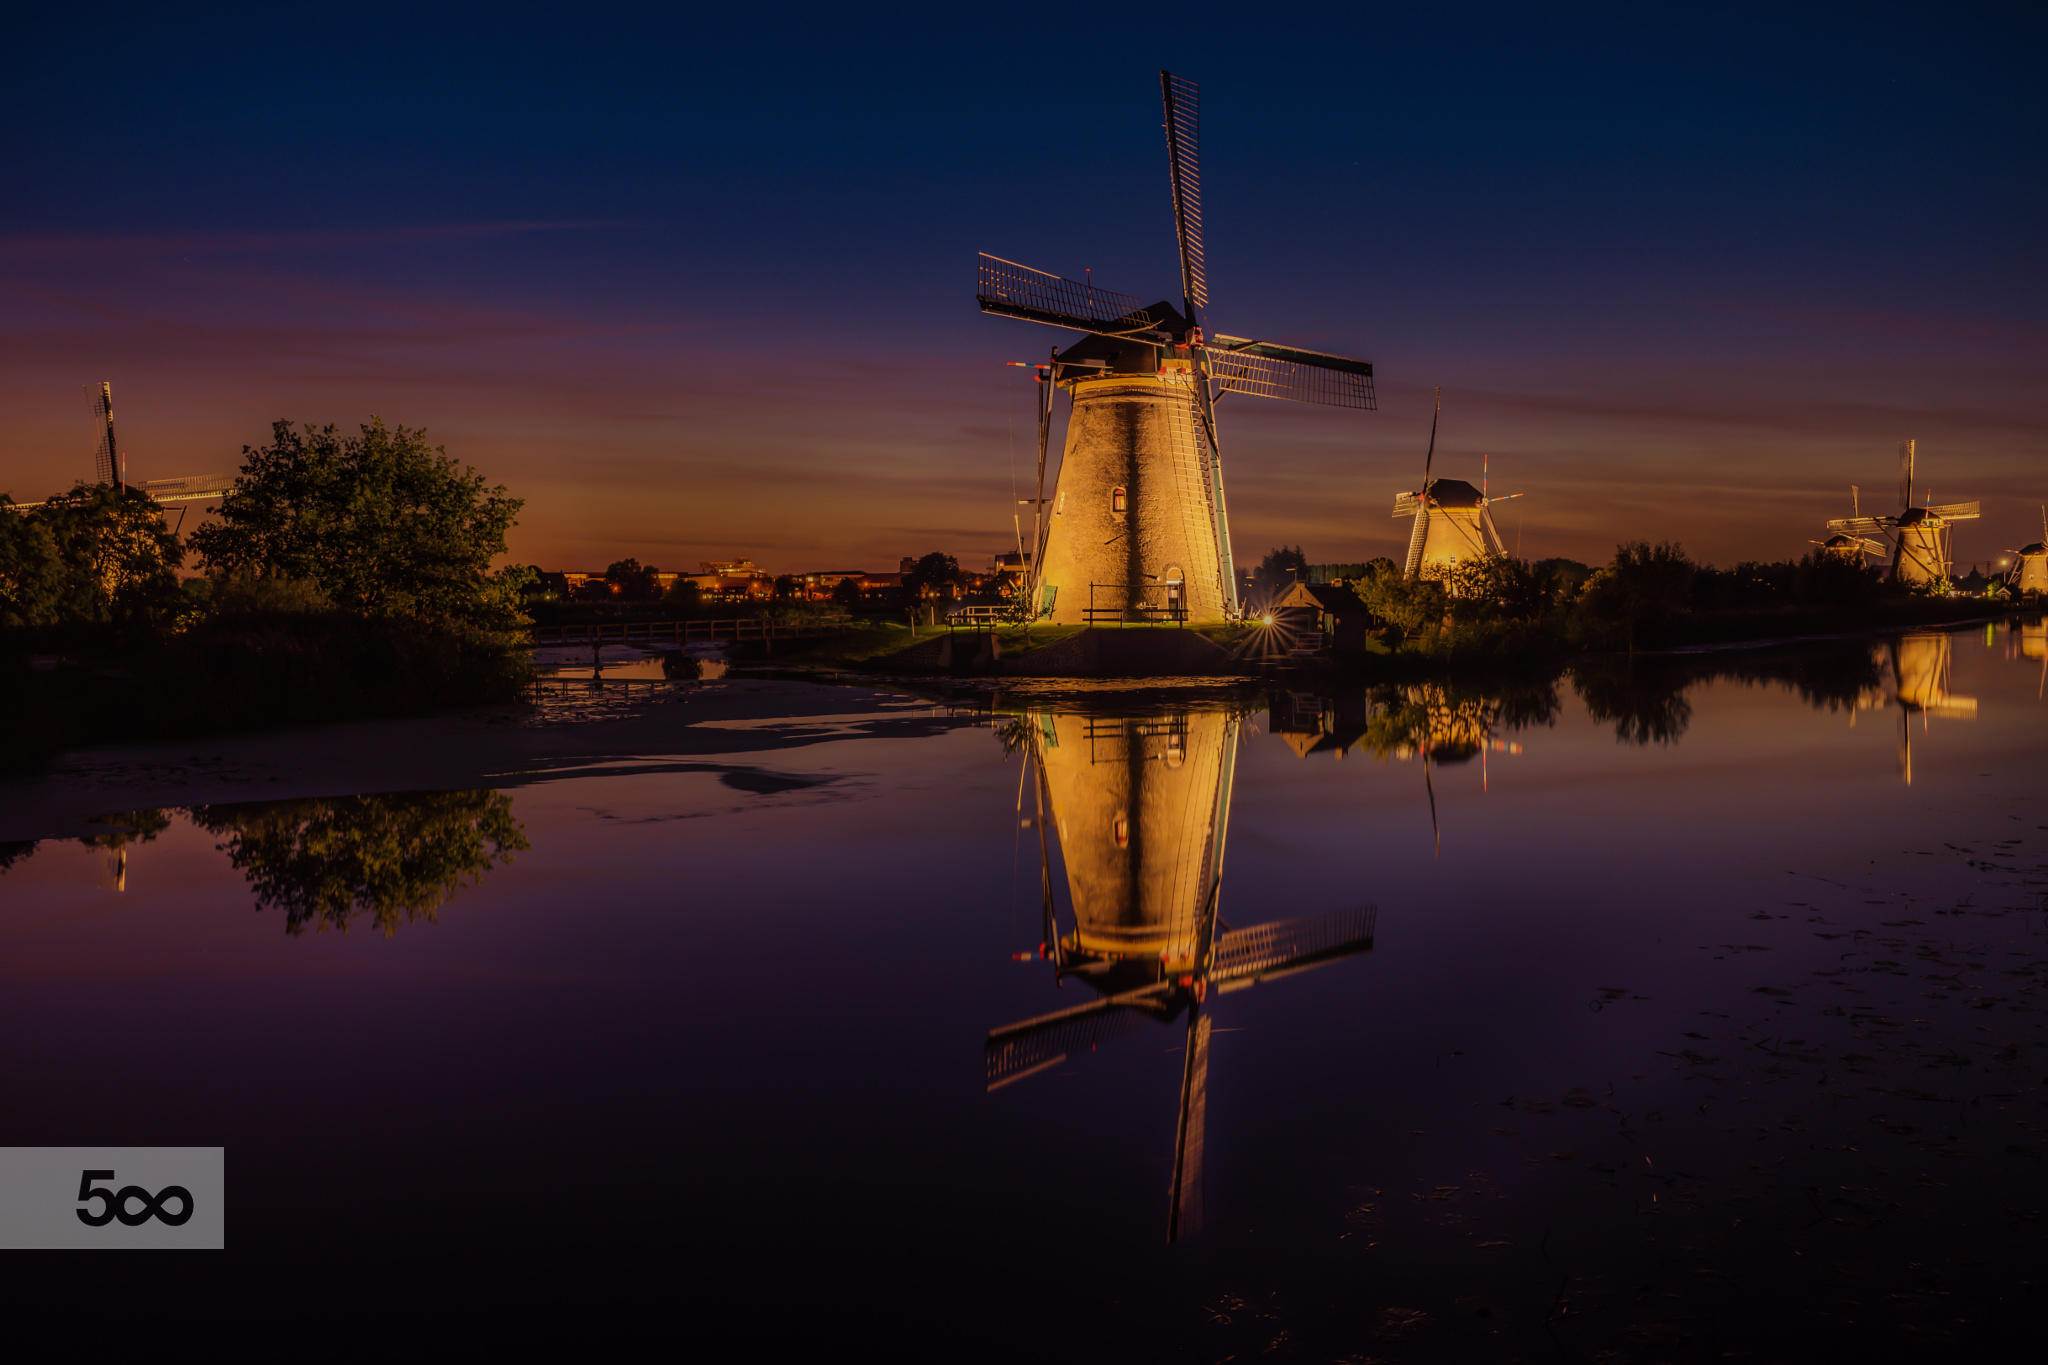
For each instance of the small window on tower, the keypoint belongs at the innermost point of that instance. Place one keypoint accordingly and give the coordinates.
(1117, 500)
(1122, 831)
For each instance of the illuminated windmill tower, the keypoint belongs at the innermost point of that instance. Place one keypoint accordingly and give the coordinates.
(2029, 572)
(1920, 535)
(1138, 528)
(1453, 525)
(1142, 807)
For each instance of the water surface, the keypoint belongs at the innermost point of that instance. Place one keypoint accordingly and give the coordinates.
(1672, 1007)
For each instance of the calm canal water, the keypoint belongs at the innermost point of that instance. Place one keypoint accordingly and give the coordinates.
(1664, 1010)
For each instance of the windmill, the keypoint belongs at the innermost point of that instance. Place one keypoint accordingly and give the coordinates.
(2029, 572)
(1920, 535)
(1142, 806)
(1453, 525)
(110, 464)
(1853, 548)
(1138, 527)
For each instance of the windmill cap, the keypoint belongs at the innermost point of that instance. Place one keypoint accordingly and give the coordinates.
(1454, 493)
(1917, 516)
(1840, 542)
(2037, 548)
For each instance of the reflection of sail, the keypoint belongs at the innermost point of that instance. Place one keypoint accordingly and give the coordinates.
(1920, 676)
(392, 857)
(1142, 807)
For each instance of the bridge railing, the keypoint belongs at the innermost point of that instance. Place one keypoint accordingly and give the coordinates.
(684, 632)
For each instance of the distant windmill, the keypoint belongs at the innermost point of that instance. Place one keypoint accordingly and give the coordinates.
(1920, 535)
(1453, 525)
(110, 463)
(2029, 572)
(1138, 527)
(1142, 806)
(1853, 548)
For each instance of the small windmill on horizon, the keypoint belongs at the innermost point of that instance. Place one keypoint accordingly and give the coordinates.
(1920, 536)
(1138, 527)
(2029, 572)
(1853, 548)
(1453, 523)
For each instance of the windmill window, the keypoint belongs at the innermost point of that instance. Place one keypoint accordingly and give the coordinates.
(1117, 500)
(1123, 831)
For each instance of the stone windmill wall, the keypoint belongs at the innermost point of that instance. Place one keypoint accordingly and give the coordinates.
(1132, 511)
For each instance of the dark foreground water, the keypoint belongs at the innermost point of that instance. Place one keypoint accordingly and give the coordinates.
(1681, 1010)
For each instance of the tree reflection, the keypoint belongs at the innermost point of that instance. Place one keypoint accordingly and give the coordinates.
(392, 858)
(1645, 697)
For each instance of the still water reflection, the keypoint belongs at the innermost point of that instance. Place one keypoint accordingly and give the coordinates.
(1660, 1001)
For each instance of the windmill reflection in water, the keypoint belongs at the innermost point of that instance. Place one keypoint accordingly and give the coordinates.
(1921, 663)
(1142, 810)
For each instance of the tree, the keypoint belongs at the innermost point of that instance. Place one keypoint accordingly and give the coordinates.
(116, 562)
(379, 521)
(683, 595)
(1281, 569)
(846, 593)
(31, 575)
(1636, 596)
(634, 581)
(936, 573)
(1408, 605)
(788, 587)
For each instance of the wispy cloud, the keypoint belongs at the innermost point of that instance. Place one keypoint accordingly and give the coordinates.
(71, 246)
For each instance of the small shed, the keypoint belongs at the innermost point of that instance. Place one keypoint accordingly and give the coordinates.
(1323, 618)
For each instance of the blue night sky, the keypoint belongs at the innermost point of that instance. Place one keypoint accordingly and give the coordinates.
(700, 286)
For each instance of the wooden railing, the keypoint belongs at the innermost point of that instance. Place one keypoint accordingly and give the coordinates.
(735, 630)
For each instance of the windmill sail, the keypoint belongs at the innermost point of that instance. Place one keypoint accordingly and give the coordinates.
(1184, 1208)
(1183, 99)
(1018, 291)
(1271, 371)
(1957, 511)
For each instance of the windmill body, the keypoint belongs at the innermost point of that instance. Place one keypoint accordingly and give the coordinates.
(1452, 528)
(2029, 571)
(2030, 568)
(1137, 527)
(1133, 527)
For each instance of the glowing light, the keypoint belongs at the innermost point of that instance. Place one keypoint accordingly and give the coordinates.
(1267, 619)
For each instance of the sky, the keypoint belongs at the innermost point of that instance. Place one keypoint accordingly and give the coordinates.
(699, 285)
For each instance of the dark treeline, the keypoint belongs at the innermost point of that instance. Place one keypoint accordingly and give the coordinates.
(345, 575)
(1647, 597)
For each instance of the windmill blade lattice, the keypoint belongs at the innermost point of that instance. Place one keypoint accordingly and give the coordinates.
(1018, 291)
(1183, 99)
(1288, 372)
